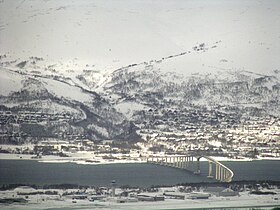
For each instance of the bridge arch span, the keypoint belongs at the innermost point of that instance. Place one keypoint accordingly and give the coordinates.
(221, 172)
(216, 169)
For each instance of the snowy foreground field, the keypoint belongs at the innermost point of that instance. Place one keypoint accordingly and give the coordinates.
(244, 200)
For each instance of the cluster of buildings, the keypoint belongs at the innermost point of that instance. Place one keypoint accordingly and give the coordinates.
(7, 117)
(163, 131)
(213, 132)
(122, 195)
(20, 126)
(114, 197)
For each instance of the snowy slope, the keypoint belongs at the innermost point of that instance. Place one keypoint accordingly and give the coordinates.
(61, 89)
(9, 82)
(12, 82)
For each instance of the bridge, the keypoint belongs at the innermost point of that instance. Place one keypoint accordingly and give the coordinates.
(216, 170)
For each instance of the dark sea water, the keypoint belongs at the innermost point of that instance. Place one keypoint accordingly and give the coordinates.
(33, 172)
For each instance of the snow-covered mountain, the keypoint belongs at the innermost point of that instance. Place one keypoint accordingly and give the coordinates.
(94, 69)
(123, 98)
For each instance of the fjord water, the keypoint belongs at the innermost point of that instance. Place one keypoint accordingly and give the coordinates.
(33, 172)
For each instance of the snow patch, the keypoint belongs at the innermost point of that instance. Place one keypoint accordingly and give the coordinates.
(9, 82)
(128, 108)
(64, 90)
(99, 130)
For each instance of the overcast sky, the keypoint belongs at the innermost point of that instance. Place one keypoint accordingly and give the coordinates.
(113, 33)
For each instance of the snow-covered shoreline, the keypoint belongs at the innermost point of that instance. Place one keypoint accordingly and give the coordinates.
(85, 158)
